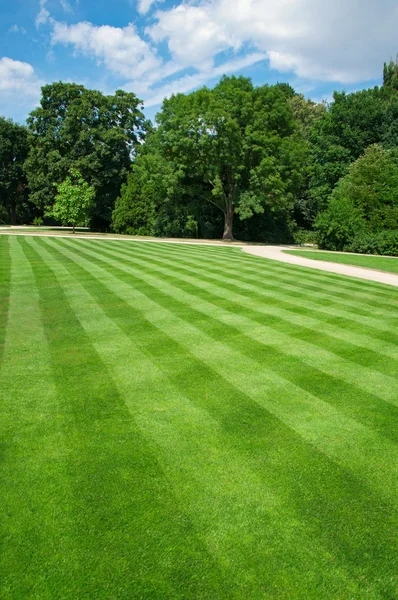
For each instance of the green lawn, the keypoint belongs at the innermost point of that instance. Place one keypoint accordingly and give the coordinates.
(183, 422)
(381, 263)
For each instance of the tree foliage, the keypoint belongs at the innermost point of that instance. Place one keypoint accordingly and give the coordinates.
(84, 130)
(364, 202)
(238, 146)
(351, 124)
(13, 186)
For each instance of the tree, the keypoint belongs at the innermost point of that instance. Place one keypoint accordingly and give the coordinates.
(351, 123)
(390, 74)
(73, 201)
(84, 130)
(364, 202)
(13, 186)
(151, 182)
(236, 145)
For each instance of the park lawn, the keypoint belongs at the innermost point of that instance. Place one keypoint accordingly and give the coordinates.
(184, 422)
(380, 263)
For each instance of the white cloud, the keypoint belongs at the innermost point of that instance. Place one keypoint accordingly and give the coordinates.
(17, 76)
(19, 88)
(43, 16)
(190, 82)
(66, 6)
(336, 41)
(144, 6)
(121, 50)
(17, 29)
(193, 36)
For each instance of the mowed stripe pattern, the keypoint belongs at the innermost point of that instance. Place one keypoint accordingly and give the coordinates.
(193, 422)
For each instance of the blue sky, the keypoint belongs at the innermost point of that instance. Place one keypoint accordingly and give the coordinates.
(155, 48)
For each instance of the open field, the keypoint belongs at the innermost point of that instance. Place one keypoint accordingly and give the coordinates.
(192, 422)
(381, 263)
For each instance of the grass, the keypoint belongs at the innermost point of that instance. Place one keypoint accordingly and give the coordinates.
(380, 263)
(191, 422)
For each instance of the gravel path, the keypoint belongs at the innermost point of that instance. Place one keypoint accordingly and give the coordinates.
(277, 253)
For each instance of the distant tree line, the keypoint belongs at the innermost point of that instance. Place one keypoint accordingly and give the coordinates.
(236, 161)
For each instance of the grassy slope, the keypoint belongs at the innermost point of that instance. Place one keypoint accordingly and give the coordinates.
(381, 263)
(193, 422)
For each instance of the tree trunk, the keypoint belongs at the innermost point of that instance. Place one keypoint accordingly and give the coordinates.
(73, 229)
(228, 223)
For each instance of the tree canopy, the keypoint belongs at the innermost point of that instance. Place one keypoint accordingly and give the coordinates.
(85, 130)
(238, 146)
(13, 186)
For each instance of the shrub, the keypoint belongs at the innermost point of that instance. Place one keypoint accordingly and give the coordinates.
(339, 224)
(305, 236)
(133, 214)
(384, 242)
(38, 221)
(364, 203)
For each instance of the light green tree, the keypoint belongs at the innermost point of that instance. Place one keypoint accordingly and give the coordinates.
(73, 201)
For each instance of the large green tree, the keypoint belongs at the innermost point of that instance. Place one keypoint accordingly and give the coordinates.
(236, 147)
(158, 200)
(83, 129)
(351, 123)
(13, 187)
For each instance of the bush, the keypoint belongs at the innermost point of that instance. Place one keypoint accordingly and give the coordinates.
(305, 236)
(133, 214)
(384, 242)
(363, 205)
(38, 221)
(339, 224)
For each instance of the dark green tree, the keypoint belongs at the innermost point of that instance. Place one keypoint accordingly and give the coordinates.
(14, 149)
(85, 130)
(237, 146)
(364, 201)
(351, 123)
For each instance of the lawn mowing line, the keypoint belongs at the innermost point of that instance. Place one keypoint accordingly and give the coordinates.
(382, 384)
(282, 282)
(365, 407)
(257, 300)
(382, 264)
(317, 301)
(320, 302)
(352, 445)
(132, 317)
(5, 277)
(123, 501)
(36, 517)
(349, 284)
(360, 405)
(106, 329)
